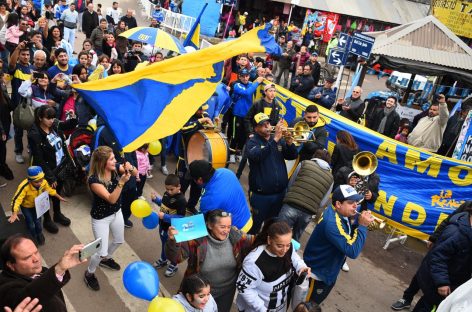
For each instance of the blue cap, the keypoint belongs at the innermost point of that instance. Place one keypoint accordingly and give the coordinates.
(345, 192)
(314, 54)
(35, 173)
(243, 72)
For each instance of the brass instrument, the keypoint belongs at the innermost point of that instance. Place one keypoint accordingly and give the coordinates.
(364, 164)
(300, 132)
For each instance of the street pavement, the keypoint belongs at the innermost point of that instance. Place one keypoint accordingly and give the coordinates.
(365, 288)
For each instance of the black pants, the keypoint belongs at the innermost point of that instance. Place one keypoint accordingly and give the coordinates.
(185, 182)
(3, 153)
(128, 195)
(318, 291)
(412, 289)
(238, 133)
(140, 184)
(56, 203)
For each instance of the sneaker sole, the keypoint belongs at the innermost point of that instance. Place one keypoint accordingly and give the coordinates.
(402, 308)
(170, 275)
(108, 267)
(88, 285)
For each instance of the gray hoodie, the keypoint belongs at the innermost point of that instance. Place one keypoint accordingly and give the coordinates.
(209, 307)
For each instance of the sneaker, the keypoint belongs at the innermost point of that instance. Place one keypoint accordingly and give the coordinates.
(345, 267)
(238, 158)
(6, 172)
(401, 304)
(50, 226)
(128, 224)
(232, 159)
(149, 175)
(61, 219)
(164, 170)
(3, 184)
(142, 197)
(19, 159)
(171, 270)
(109, 263)
(91, 281)
(41, 239)
(160, 263)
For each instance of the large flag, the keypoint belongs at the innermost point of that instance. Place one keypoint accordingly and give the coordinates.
(193, 37)
(156, 101)
(418, 189)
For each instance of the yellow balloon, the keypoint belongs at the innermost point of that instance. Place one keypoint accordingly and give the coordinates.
(140, 208)
(155, 148)
(159, 304)
(93, 124)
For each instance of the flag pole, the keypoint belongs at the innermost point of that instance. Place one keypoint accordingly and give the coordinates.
(227, 21)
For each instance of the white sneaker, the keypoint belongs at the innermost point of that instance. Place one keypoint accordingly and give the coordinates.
(232, 159)
(164, 170)
(19, 159)
(149, 175)
(238, 158)
(3, 184)
(142, 197)
(345, 267)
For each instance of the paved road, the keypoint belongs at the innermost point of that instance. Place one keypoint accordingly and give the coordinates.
(365, 288)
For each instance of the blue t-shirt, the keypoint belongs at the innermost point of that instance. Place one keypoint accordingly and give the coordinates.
(224, 192)
(54, 70)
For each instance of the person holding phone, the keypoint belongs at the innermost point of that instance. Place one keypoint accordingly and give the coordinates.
(106, 186)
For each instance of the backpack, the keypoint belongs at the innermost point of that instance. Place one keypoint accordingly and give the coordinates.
(23, 115)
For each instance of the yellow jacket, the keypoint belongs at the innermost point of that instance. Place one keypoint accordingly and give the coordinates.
(26, 193)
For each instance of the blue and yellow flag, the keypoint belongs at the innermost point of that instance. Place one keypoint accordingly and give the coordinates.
(193, 37)
(156, 101)
(418, 189)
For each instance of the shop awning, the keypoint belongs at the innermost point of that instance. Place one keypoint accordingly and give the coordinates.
(391, 11)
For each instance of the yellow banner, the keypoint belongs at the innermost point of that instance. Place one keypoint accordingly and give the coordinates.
(456, 15)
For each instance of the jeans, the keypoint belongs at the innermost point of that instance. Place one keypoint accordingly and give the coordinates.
(264, 207)
(32, 221)
(164, 237)
(69, 36)
(318, 291)
(18, 140)
(286, 73)
(297, 219)
(163, 151)
(101, 228)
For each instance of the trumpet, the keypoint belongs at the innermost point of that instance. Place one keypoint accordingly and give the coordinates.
(377, 223)
(300, 132)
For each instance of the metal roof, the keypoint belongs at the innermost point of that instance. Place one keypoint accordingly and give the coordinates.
(391, 11)
(426, 40)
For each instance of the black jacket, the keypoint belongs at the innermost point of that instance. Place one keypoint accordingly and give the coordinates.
(305, 86)
(391, 126)
(5, 112)
(451, 133)
(268, 172)
(315, 72)
(89, 22)
(449, 262)
(258, 107)
(14, 288)
(438, 231)
(43, 154)
(130, 21)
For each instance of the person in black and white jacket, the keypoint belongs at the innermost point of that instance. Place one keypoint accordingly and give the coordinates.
(264, 281)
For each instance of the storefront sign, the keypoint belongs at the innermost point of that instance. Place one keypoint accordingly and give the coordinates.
(455, 14)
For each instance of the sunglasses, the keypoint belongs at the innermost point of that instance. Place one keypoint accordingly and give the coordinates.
(224, 214)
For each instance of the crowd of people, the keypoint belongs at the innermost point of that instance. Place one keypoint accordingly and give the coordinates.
(250, 243)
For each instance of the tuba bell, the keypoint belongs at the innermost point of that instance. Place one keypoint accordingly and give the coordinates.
(364, 163)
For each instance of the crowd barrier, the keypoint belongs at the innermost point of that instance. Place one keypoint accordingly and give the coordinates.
(176, 22)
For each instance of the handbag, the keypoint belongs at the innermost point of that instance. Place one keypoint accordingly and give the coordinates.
(300, 292)
(66, 170)
(23, 115)
(70, 25)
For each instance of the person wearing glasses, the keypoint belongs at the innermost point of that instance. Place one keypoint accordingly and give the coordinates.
(324, 95)
(352, 107)
(333, 240)
(220, 251)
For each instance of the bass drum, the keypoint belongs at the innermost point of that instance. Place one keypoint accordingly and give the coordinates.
(208, 145)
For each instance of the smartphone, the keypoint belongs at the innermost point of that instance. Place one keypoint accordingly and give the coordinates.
(90, 249)
(301, 278)
(37, 75)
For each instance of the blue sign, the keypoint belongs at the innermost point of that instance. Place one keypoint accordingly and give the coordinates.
(343, 41)
(361, 45)
(189, 228)
(337, 57)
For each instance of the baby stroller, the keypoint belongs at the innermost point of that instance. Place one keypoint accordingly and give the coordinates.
(80, 152)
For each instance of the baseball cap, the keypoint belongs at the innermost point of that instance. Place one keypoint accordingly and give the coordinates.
(260, 118)
(330, 80)
(345, 192)
(199, 168)
(314, 54)
(243, 72)
(35, 173)
(269, 86)
(204, 106)
(245, 13)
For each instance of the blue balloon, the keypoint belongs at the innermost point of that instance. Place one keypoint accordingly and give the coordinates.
(150, 222)
(141, 280)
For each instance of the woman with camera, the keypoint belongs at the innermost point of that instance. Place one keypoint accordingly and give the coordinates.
(49, 151)
(268, 270)
(222, 251)
(106, 186)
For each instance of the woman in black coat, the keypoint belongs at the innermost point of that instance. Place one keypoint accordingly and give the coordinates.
(5, 122)
(49, 151)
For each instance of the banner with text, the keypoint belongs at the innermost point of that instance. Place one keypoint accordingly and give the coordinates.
(455, 14)
(418, 189)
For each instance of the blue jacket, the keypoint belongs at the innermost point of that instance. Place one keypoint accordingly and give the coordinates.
(330, 243)
(449, 262)
(242, 97)
(268, 172)
(224, 191)
(328, 96)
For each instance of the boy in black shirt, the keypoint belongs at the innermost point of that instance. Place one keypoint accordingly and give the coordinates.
(173, 205)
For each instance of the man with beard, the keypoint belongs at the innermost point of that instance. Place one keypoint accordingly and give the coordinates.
(197, 122)
(324, 95)
(428, 133)
(306, 82)
(318, 133)
(62, 65)
(453, 128)
(316, 67)
(353, 107)
(283, 64)
(386, 120)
